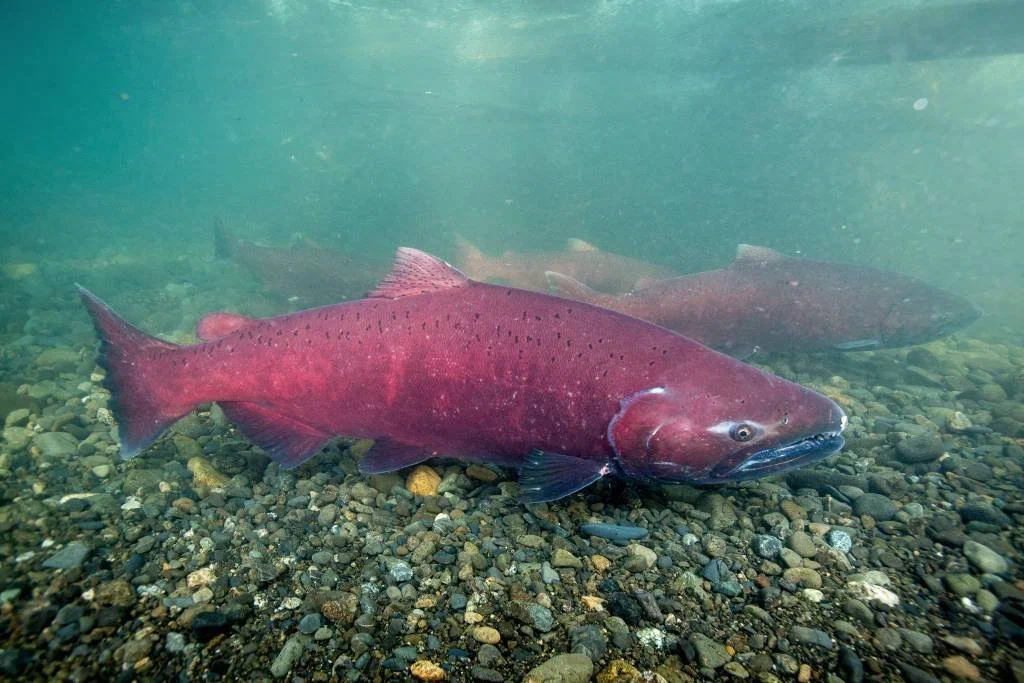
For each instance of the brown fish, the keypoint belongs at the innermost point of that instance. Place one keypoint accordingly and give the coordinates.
(304, 272)
(581, 260)
(765, 300)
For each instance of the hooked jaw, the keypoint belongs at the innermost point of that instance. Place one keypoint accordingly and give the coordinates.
(783, 457)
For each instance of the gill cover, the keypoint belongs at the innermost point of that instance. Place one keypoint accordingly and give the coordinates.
(640, 417)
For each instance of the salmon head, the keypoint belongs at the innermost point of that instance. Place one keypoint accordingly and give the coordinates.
(924, 314)
(756, 425)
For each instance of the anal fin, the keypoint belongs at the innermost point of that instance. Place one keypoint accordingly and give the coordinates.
(550, 476)
(287, 440)
(388, 456)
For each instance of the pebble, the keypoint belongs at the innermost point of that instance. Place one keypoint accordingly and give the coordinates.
(642, 556)
(984, 558)
(56, 444)
(289, 654)
(486, 634)
(802, 544)
(589, 640)
(310, 623)
(203, 473)
(710, 654)
(918, 449)
(964, 644)
(71, 555)
(423, 481)
(872, 593)
(963, 585)
(911, 674)
(537, 616)
(563, 558)
(481, 473)
(984, 512)
(200, 578)
(792, 510)
(426, 670)
(850, 665)
(921, 642)
(653, 638)
(839, 540)
(565, 668)
(17, 417)
(875, 505)
(209, 624)
(174, 642)
(811, 636)
(614, 532)
(959, 667)
(803, 577)
(766, 546)
(400, 572)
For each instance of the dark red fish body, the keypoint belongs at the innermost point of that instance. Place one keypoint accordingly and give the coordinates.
(767, 301)
(602, 270)
(433, 363)
(305, 271)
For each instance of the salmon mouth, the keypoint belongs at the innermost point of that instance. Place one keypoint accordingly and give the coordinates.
(778, 459)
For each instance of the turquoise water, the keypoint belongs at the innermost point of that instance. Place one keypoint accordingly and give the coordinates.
(880, 134)
(883, 133)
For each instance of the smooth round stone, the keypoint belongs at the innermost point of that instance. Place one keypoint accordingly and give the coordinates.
(310, 623)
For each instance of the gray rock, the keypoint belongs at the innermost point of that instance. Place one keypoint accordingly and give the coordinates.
(310, 623)
(400, 572)
(710, 654)
(571, 668)
(875, 504)
(17, 438)
(917, 449)
(718, 506)
(983, 512)
(839, 540)
(563, 558)
(921, 642)
(289, 654)
(984, 558)
(175, 642)
(962, 584)
(766, 546)
(537, 616)
(56, 444)
(802, 544)
(17, 417)
(889, 639)
(811, 636)
(71, 555)
(641, 558)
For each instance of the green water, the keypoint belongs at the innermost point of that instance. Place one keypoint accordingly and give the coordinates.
(884, 134)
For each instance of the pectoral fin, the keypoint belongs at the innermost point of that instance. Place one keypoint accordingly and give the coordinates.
(550, 476)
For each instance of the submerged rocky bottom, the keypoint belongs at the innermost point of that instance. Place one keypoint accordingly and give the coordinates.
(200, 560)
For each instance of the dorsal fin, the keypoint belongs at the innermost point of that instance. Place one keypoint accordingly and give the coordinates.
(751, 253)
(217, 325)
(417, 272)
(576, 244)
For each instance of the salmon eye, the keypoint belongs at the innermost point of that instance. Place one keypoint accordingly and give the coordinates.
(741, 432)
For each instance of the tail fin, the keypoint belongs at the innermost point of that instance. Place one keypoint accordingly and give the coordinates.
(570, 288)
(133, 360)
(470, 259)
(224, 243)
